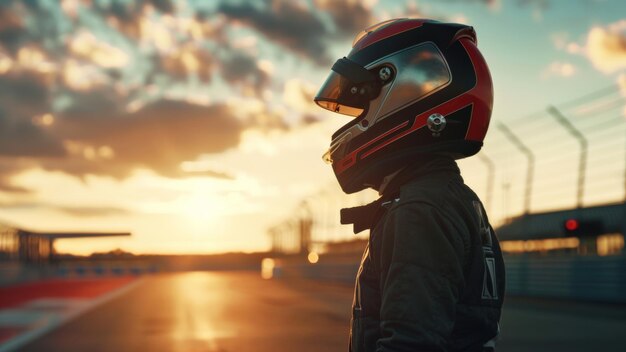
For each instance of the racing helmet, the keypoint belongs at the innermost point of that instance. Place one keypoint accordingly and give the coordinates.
(412, 87)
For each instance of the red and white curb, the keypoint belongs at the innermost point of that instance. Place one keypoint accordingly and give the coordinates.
(34, 319)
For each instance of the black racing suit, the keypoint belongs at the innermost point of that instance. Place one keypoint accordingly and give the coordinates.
(432, 275)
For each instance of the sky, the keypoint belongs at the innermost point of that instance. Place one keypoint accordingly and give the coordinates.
(191, 123)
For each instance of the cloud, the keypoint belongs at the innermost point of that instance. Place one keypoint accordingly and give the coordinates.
(95, 138)
(97, 97)
(90, 211)
(159, 137)
(7, 187)
(24, 93)
(78, 211)
(201, 167)
(101, 100)
(128, 12)
(12, 29)
(164, 6)
(359, 14)
(413, 9)
(460, 18)
(560, 69)
(121, 15)
(538, 7)
(238, 68)
(17, 205)
(208, 173)
(24, 97)
(8, 168)
(493, 5)
(85, 44)
(287, 23)
(22, 138)
(606, 47)
(309, 119)
(186, 62)
(299, 94)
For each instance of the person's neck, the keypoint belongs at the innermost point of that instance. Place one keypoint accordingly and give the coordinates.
(425, 164)
(386, 180)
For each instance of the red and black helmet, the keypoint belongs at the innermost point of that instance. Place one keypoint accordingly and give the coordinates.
(414, 87)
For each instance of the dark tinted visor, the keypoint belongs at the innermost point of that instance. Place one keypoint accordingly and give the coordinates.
(339, 94)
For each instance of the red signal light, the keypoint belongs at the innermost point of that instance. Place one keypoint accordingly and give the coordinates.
(572, 225)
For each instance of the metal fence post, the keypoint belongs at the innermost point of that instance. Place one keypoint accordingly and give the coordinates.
(490, 178)
(582, 163)
(531, 162)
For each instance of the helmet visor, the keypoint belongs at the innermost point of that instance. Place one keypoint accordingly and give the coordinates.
(339, 94)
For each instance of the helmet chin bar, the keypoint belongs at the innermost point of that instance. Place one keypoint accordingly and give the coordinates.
(353, 181)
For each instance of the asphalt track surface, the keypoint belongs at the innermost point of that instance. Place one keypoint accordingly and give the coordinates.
(239, 311)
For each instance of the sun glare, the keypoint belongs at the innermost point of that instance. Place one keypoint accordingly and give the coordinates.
(313, 258)
(267, 268)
